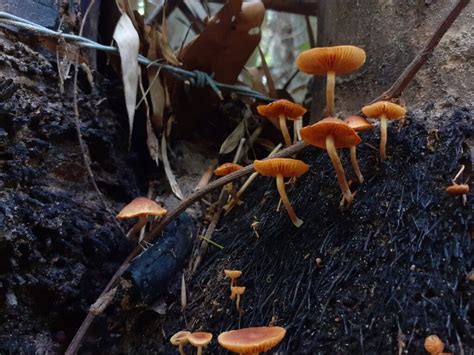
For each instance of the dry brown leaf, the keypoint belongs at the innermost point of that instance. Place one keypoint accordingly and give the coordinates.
(169, 173)
(227, 42)
(152, 143)
(268, 75)
(232, 141)
(256, 78)
(128, 43)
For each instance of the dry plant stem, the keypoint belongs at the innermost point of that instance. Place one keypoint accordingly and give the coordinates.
(459, 173)
(330, 86)
(423, 55)
(341, 176)
(395, 90)
(383, 137)
(355, 164)
(284, 130)
(286, 202)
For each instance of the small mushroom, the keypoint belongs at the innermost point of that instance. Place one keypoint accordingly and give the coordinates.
(251, 340)
(330, 134)
(140, 207)
(330, 61)
(180, 339)
(385, 110)
(281, 168)
(283, 110)
(200, 340)
(232, 275)
(236, 292)
(434, 345)
(359, 124)
(226, 169)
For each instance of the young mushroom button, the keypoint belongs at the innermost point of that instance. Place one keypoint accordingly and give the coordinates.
(232, 275)
(180, 339)
(359, 124)
(251, 340)
(281, 168)
(330, 61)
(283, 110)
(140, 207)
(332, 133)
(434, 345)
(384, 110)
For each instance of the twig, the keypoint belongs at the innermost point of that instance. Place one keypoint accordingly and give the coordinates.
(422, 57)
(395, 89)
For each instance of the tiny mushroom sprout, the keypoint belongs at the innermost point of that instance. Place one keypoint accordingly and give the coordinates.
(434, 345)
(385, 110)
(226, 169)
(236, 292)
(332, 133)
(180, 339)
(359, 124)
(251, 340)
(140, 208)
(283, 110)
(199, 340)
(330, 61)
(281, 168)
(232, 275)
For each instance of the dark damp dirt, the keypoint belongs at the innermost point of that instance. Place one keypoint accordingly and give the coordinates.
(58, 247)
(371, 279)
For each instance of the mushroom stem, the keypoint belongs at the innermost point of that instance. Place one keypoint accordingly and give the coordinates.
(230, 188)
(297, 125)
(137, 226)
(284, 130)
(330, 85)
(355, 164)
(181, 349)
(284, 198)
(199, 351)
(336, 162)
(383, 137)
(237, 303)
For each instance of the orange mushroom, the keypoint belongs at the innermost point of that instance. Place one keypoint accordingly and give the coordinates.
(330, 134)
(434, 345)
(283, 110)
(236, 292)
(232, 275)
(180, 339)
(226, 169)
(140, 207)
(330, 61)
(385, 110)
(251, 340)
(281, 168)
(359, 124)
(200, 340)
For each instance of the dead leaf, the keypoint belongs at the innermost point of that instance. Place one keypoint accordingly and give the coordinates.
(256, 78)
(128, 43)
(152, 143)
(268, 75)
(232, 141)
(169, 173)
(227, 42)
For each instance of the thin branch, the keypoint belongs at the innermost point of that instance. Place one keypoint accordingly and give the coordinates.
(410, 71)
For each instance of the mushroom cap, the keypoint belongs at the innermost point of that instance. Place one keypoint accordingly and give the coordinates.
(290, 110)
(232, 274)
(251, 340)
(344, 136)
(433, 344)
(388, 109)
(457, 189)
(226, 168)
(359, 124)
(180, 337)
(339, 59)
(280, 166)
(236, 290)
(200, 338)
(141, 206)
